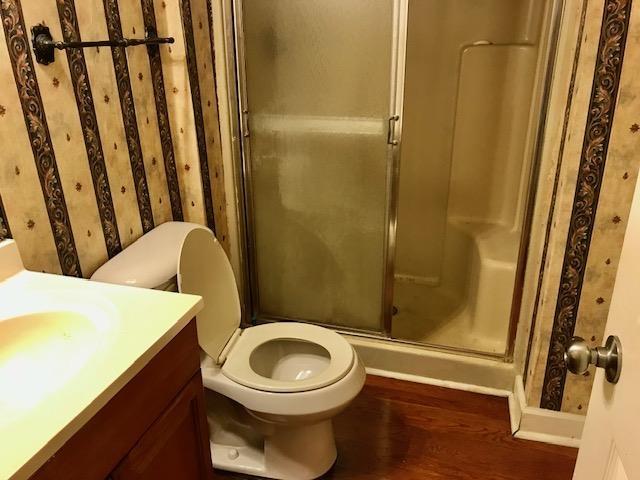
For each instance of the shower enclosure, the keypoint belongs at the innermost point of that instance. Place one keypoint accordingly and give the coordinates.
(388, 162)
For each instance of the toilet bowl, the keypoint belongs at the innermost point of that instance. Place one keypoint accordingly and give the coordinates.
(271, 390)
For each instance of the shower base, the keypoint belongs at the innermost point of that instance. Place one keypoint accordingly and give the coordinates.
(469, 308)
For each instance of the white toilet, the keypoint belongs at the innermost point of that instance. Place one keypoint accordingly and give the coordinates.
(272, 390)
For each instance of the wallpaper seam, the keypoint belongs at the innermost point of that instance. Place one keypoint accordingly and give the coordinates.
(602, 104)
(39, 136)
(90, 128)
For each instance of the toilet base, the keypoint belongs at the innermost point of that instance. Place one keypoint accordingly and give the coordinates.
(301, 452)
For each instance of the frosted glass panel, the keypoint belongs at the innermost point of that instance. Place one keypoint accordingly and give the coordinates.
(318, 89)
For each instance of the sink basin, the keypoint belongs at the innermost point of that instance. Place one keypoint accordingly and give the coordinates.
(48, 332)
(39, 353)
(68, 346)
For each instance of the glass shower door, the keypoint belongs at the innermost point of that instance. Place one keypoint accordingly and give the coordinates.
(317, 94)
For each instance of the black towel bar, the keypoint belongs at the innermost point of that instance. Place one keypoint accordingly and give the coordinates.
(44, 44)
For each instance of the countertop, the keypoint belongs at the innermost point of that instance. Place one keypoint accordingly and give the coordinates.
(119, 329)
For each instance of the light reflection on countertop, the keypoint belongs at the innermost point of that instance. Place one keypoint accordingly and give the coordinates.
(67, 346)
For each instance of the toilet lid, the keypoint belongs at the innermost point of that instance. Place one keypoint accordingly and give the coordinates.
(238, 366)
(203, 269)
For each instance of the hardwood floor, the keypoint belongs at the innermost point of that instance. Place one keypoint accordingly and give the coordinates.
(398, 430)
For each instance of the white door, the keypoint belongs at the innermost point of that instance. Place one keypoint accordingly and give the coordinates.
(610, 447)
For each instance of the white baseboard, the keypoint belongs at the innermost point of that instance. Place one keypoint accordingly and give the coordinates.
(542, 425)
(489, 377)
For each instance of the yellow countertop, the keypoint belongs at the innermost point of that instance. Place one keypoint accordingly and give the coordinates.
(67, 346)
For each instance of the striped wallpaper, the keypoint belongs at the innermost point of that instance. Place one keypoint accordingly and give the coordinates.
(591, 189)
(105, 143)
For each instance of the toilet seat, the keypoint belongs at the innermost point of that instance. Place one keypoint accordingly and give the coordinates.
(237, 366)
(328, 356)
(203, 269)
(272, 390)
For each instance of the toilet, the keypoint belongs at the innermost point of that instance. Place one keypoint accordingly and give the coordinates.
(271, 390)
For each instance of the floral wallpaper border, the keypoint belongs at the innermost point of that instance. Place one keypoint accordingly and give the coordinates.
(162, 110)
(129, 117)
(5, 231)
(194, 82)
(90, 127)
(39, 135)
(68, 164)
(602, 105)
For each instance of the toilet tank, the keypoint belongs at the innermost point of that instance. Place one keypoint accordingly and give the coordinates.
(149, 262)
(190, 252)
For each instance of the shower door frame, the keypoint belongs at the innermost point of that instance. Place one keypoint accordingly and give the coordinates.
(398, 49)
(235, 58)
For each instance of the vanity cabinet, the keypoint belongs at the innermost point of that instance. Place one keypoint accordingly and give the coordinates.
(173, 447)
(155, 427)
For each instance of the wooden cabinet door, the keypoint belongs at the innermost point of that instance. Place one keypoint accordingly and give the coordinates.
(176, 446)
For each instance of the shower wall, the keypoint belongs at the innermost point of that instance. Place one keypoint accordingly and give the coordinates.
(455, 113)
(561, 162)
(471, 74)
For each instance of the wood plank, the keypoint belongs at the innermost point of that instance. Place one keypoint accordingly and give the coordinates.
(398, 430)
(176, 445)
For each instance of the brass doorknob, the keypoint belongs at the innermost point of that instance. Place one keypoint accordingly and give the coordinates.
(578, 356)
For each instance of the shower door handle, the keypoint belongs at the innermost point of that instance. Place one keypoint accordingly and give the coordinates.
(391, 130)
(244, 126)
